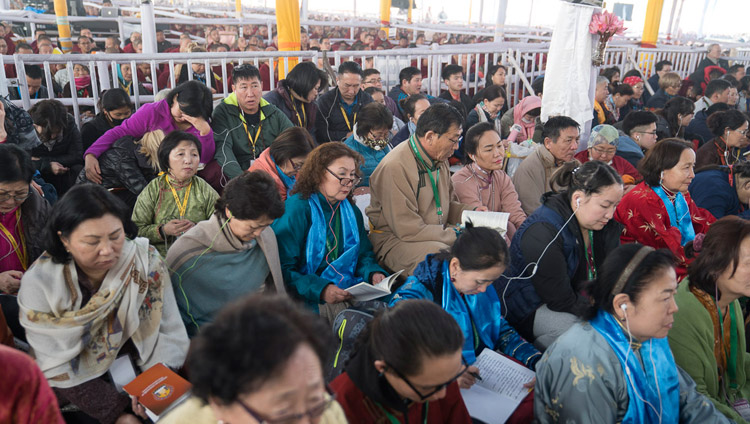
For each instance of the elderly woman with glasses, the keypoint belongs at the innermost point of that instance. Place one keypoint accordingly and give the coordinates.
(603, 147)
(323, 243)
(405, 368)
(23, 213)
(371, 137)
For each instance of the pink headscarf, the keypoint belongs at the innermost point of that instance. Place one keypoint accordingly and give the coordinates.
(522, 108)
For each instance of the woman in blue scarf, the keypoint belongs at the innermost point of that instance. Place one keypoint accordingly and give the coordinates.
(125, 80)
(616, 366)
(323, 244)
(460, 280)
(285, 157)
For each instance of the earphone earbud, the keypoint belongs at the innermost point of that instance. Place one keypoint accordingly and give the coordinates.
(624, 307)
(578, 203)
(229, 215)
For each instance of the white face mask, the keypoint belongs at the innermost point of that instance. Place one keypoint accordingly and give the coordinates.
(526, 121)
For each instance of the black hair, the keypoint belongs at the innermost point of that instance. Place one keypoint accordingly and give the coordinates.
(675, 107)
(33, 71)
(51, 115)
(660, 65)
(632, 73)
(477, 248)
(493, 92)
(115, 98)
(451, 70)
(732, 80)
(26, 46)
(664, 155)
(538, 86)
(491, 71)
(250, 343)
(291, 143)
(304, 77)
(350, 67)
(15, 164)
(171, 141)
(407, 74)
(636, 119)
(367, 72)
(410, 332)
(614, 265)
(438, 118)
(716, 86)
(373, 116)
(556, 124)
(194, 98)
(590, 178)
(81, 203)
(246, 71)
(471, 139)
(372, 90)
(251, 195)
(745, 83)
(408, 104)
(719, 121)
(623, 90)
(717, 107)
(610, 72)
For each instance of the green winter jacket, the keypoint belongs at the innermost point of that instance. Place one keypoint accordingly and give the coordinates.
(233, 151)
(156, 206)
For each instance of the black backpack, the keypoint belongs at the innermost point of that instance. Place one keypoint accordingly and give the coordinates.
(347, 327)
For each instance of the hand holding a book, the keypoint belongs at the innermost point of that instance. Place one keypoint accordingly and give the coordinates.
(377, 278)
(468, 378)
(333, 294)
(138, 409)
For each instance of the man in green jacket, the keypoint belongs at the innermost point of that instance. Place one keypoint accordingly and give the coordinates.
(244, 123)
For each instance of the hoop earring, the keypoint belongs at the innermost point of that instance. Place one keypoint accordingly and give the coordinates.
(661, 178)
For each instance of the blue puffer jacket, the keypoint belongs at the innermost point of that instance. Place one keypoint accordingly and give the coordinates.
(478, 315)
(711, 190)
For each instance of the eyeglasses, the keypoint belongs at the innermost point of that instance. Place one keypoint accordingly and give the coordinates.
(373, 81)
(344, 181)
(654, 133)
(312, 413)
(4, 197)
(296, 166)
(604, 151)
(743, 132)
(437, 388)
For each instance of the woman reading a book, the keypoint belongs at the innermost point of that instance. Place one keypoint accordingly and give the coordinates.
(323, 244)
(560, 247)
(260, 361)
(482, 182)
(232, 254)
(405, 367)
(460, 280)
(98, 293)
(616, 366)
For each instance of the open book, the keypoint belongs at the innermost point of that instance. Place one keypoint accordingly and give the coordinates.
(496, 220)
(494, 398)
(159, 390)
(365, 291)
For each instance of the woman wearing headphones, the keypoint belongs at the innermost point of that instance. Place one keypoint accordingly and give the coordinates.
(558, 248)
(581, 379)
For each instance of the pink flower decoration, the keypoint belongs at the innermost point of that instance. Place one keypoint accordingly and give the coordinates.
(606, 25)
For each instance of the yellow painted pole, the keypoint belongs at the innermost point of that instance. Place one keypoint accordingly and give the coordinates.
(238, 8)
(385, 15)
(470, 5)
(287, 23)
(651, 25)
(63, 26)
(411, 8)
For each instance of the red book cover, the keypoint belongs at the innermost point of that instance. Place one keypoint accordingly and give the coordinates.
(157, 388)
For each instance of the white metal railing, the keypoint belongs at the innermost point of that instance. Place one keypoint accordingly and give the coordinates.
(525, 62)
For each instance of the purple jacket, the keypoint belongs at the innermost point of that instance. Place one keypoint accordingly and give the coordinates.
(150, 117)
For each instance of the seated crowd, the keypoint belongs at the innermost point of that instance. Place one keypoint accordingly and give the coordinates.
(223, 242)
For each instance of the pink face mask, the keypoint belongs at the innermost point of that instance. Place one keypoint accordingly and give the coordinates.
(83, 82)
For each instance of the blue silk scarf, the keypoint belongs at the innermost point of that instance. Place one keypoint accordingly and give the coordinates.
(481, 308)
(287, 180)
(341, 271)
(679, 214)
(641, 378)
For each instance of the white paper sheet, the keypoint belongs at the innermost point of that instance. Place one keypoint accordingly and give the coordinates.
(496, 220)
(498, 394)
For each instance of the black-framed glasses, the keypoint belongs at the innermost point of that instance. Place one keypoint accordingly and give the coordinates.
(647, 132)
(435, 389)
(296, 165)
(4, 197)
(345, 181)
(312, 413)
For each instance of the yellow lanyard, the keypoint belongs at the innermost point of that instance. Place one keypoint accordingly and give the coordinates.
(20, 250)
(302, 123)
(181, 208)
(346, 118)
(257, 135)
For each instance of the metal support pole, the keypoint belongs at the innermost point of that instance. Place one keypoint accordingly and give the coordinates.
(502, 10)
(148, 27)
